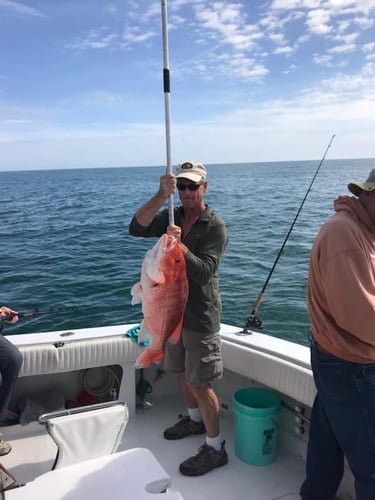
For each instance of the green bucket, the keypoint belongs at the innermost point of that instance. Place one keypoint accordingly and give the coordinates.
(256, 413)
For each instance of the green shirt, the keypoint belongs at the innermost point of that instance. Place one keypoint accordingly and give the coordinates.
(206, 242)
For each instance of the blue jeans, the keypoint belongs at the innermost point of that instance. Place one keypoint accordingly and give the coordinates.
(342, 424)
(10, 365)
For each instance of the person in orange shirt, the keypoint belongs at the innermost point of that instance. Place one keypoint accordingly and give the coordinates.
(341, 305)
(10, 365)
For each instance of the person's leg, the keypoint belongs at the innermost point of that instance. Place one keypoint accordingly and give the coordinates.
(10, 365)
(203, 365)
(346, 394)
(325, 459)
(191, 401)
(351, 411)
(212, 454)
(359, 443)
(174, 361)
(209, 408)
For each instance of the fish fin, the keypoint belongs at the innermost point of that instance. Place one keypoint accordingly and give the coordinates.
(136, 293)
(175, 336)
(144, 335)
(155, 275)
(150, 265)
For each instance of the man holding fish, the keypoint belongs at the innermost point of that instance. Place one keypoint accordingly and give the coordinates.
(194, 354)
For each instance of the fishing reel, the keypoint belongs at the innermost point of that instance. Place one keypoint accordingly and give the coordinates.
(252, 322)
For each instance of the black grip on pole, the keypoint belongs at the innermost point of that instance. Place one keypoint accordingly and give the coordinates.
(166, 81)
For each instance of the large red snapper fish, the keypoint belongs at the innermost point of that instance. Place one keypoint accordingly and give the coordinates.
(163, 291)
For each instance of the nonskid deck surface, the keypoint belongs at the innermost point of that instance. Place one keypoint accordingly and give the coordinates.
(33, 453)
(234, 481)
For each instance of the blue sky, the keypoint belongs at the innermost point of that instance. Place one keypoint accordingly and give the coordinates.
(81, 81)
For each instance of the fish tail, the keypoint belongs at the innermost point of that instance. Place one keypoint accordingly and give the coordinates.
(147, 357)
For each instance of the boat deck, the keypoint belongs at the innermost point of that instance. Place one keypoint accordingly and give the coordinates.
(33, 452)
(235, 480)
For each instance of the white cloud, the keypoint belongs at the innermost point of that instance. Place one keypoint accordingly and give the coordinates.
(351, 88)
(15, 122)
(94, 39)
(323, 59)
(368, 47)
(342, 49)
(90, 99)
(364, 23)
(344, 104)
(284, 50)
(278, 38)
(346, 39)
(235, 64)
(20, 9)
(229, 23)
(295, 4)
(318, 22)
(135, 34)
(292, 68)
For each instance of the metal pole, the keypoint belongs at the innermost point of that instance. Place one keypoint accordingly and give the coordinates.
(166, 85)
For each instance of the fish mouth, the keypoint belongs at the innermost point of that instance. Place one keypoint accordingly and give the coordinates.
(170, 243)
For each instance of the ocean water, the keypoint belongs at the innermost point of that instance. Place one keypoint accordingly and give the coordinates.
(65, 244)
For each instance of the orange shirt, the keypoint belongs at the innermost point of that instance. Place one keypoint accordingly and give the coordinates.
(341, 283)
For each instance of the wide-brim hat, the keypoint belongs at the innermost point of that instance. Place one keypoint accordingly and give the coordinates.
(357, 187)
(192, 170)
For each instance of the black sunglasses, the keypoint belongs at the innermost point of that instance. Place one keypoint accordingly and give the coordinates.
(190, 187)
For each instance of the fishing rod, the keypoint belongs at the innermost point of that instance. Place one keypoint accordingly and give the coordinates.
(167, 106)
(32, 314)
(252, 320)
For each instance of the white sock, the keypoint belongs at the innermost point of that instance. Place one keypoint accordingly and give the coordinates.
(195, 414)
(215, 442)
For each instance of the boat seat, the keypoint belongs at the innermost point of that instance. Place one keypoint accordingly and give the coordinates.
(68, 351)
(86, 432)
(134, 474)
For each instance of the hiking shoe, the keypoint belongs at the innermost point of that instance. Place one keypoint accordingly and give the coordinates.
(184, 427)
(207, 459)
(5, 447)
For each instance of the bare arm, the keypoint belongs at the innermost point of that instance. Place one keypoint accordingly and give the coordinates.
(7, 312)
(147, 212)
